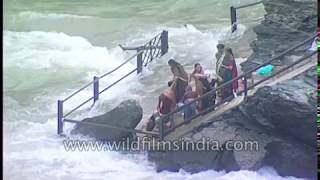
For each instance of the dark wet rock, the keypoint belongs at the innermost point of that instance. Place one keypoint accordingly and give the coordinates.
(288, 158)
(126, 115)
(298, 20)
(192, 160)
(288, 108)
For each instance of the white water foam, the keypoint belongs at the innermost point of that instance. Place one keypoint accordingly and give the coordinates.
(31, 15)
(50, 59)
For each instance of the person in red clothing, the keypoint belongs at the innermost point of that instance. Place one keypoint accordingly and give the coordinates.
(230, 65)
(166, 104)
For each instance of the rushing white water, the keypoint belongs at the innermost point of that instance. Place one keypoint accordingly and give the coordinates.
(50, 54)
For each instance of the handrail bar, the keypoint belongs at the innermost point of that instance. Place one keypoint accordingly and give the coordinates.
(74, 109)
(79, 90)
(247, 5)
(118, 81)
(284, 69)
(125, 62)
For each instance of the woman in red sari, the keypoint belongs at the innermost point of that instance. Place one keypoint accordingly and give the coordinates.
(229, 64)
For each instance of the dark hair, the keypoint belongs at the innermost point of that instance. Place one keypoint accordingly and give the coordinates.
(229, 50)
(172, 62)
(220, 46)
(197, 64)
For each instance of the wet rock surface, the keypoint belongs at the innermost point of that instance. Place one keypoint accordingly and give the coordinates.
(298, 20)
(126, 115)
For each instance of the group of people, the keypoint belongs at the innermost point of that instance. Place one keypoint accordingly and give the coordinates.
(180, 91)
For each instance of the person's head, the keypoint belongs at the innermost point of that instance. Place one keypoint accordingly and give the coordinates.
(220, 47)
(197, 68)
(172, 63)
(228, 51)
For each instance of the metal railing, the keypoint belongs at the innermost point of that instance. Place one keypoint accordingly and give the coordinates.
(233, 14)
(156, 47)
(234, 20)
(164, 132)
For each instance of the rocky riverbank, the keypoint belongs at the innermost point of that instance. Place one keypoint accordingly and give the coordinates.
(298, 20)
(281, 118)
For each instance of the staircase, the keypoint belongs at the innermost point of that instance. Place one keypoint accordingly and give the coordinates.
(290, 73)
(286, 72)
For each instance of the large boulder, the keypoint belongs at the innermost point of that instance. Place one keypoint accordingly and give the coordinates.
(126, 115)
(287, 108)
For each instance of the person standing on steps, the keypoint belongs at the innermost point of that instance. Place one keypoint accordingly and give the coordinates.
(180, 77)
(219, 58)
(200, 78)
(166, 104)
(234, 70)
(229, 72)
(219, 55)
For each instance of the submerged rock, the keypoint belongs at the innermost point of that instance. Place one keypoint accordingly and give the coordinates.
(126, 115)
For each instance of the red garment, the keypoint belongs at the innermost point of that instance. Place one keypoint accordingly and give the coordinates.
(166, 102)
(234, 71)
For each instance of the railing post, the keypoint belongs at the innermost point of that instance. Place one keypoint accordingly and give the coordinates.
(139, 61)
(245, 83)
(233, 15)
(151, 51)
(164, 42)
(161, 130)
(59, 117)
(95, 89)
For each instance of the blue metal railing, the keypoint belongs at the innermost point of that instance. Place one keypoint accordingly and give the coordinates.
(156, 47)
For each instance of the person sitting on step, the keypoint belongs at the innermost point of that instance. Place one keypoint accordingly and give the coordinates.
(166, 104)
(191, 109)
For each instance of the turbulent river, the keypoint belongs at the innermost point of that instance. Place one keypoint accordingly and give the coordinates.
(52, 48)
